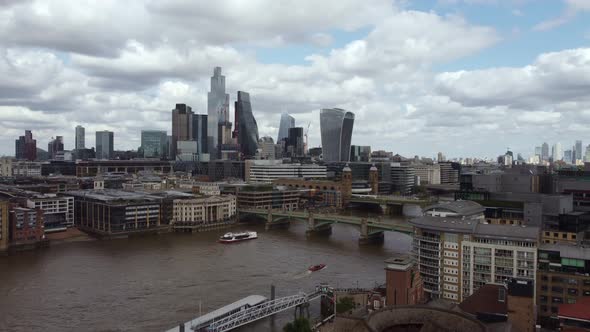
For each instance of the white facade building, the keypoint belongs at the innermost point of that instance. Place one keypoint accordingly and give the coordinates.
(265, 171)
(58, 211)
(204, 210)
(429, 174)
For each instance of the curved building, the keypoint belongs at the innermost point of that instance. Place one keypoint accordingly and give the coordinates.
(336, 129)
(287, 122)
(246, 126)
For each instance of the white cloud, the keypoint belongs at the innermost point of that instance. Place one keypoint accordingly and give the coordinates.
(572, 9)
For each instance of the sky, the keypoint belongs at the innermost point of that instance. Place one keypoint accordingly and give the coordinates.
(470, 78)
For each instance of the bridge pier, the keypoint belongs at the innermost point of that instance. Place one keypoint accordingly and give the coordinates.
(277, 224)
(368, 237)
(317, 229)
(303, 310)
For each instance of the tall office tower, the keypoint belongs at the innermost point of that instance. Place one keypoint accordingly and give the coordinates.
(104, 144)
(154, 144)
(557, 153)
(54, 146)
(217, 111)
(545, 151)
(182, 125)
(567, 156)
(538, 151)
(200, 132)
(578, 151)
(336, 131)
(26, 147)
(287, 122)
(246, 128)
(80, 138)
(294, 146)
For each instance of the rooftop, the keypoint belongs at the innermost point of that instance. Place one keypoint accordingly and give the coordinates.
(464, 208)
(456, 225)
(568, 250)
(578, 311)
(488, 299)
(400, 261)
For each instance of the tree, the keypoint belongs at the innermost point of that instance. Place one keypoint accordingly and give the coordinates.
(345, 304)
(298, 325)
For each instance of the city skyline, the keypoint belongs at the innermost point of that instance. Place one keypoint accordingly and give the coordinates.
(301, 70)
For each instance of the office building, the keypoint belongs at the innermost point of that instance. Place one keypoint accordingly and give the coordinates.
(182, 126)
(449, 172)
(286, 123)
(265, 197)
(538, 151)
(246, 128)
(187, 151)
(58, 210)
(200, 132)
(203, 210)
(217, 111)
(427, 174)
(104, 144)
(55, 146)
(563, 276)
(4, 237)
(80, 138)
(545, 151)
(403, 179)
(294, 144)
(360, 153)
(154, 144)
(336, 133)
(86, 168)
(579, 152)
(110, 212)
(266, 148)
(569, 156)
(26, 147)
(265, 171)
(456, 257)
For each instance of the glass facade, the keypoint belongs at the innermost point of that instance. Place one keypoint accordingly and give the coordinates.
(182, 125)
(246, 126)
(80, 138)
(287, 122)
(104, 144)
(217, 110)
(154, 144)
(336, 129)
(200, 126)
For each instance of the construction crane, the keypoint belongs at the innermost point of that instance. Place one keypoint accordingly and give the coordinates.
(306, 144)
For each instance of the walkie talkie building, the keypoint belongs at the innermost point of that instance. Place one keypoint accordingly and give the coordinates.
(336, 129)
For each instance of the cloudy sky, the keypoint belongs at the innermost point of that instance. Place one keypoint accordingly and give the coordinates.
(466, 77)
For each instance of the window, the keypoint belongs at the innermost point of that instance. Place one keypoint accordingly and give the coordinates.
(572, 291)
(556, 300)
(570, 301)
(546, 233)
(557, 289)
(564, 236)
(543, 299)
(544, 288)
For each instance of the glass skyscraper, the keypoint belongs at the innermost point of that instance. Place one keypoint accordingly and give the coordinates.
(336, 129)
(182, 125)
(217, 111)
(80, 138)
(200, 126)
(246, 128)
(154, 144)
(287, 122)
(104, 144)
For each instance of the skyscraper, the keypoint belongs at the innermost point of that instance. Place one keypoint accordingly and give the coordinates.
(545, 151)
(182, 126)
(80, 138)
(578, 150)
(336, 131)
(217, 111)
(246, 128)
(557, 153)
(538, 151)
(154, 144)
(104, 144)
(294, 146)
(200, 132)
(54, 146)
(26, 147)
(287, 122)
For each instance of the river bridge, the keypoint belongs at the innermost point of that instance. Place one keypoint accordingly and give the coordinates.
(371, 229)
(400, 205)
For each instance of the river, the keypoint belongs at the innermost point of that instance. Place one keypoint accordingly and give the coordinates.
(154, 283)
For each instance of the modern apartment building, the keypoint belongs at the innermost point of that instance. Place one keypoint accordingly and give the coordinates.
(563, 276)
(204, 210)
(265, 171)
(58, 211)
(457, 256)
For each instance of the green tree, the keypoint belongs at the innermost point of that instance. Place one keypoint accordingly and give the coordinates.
(298, 325)
(345, 304)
